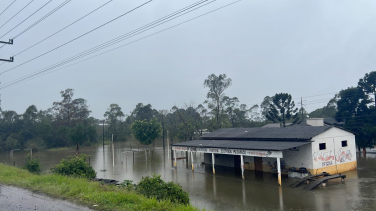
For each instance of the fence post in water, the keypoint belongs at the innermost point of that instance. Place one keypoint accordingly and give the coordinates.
(193, 168)
(213, 161)
(186, 158)
(175, 158)
(279, 171)
(242, 165)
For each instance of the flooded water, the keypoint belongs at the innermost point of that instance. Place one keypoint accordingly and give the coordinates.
(225, 190)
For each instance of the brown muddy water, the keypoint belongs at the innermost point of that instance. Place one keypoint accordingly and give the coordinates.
(225, 190)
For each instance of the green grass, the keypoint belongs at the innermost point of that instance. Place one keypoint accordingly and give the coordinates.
(83, 191)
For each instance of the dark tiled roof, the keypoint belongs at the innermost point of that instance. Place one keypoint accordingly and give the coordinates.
(245, 145)
(259, 133)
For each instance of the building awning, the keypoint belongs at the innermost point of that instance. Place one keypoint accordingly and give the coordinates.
(243, 145)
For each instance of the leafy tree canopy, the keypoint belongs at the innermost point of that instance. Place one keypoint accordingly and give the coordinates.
(146, 131)
(282, 109)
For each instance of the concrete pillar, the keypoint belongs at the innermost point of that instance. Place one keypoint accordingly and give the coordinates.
(213, 161)
(175, 158)
(242, 165)
(193, 168)
(279, 171)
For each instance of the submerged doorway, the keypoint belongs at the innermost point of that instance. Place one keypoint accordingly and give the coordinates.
(237, 163)
(258, 163)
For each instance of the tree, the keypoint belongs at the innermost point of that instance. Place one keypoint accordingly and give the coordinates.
(282, 109)
(146, 131)
(142, 112)
(359, 117)
(328, 111)
(69, 110)
(368, 84)
(217, 85)
(113, 116)
(265, 105)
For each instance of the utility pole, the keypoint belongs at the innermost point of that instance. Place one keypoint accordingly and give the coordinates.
(6, 60)
(7, 43)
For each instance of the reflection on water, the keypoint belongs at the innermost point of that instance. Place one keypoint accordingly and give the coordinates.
(225, 190)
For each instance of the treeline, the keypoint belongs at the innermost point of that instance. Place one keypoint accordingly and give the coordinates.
(68, 123)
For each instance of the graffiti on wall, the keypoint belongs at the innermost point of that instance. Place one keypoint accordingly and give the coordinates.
(328, 158)
(343, 156)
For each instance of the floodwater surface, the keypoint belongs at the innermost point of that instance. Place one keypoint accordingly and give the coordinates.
(225, 190)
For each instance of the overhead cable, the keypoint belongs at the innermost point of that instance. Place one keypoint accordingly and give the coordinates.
(27, 18)
(99, 47)
(7, 7)
(38, 21)
(77, 37)
(16, 14)
(32, 76)
(63, 28)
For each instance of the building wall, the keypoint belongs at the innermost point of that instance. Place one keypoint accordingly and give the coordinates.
(315, 122)
(335, 158)
(302, 157)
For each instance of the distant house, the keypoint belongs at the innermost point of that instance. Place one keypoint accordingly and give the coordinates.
(316, 148)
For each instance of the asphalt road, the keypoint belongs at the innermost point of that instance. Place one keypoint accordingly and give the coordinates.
(12, 199)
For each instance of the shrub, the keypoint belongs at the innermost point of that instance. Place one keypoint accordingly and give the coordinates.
(75, 166)
(128, 184)
(32, 166)
(155, 187)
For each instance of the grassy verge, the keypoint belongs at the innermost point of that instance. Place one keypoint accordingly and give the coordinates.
(83, 191)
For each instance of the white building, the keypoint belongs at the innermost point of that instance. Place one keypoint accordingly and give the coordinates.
(314, 148)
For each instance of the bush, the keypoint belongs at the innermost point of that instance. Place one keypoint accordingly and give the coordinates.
(155, 187)
(76, 167)
(32, 166)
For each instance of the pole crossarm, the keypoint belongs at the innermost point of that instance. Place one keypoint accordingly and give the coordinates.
(7, 60)
(9, 43)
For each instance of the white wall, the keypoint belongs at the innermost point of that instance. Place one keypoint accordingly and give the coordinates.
(300, 158)
(334, 152)
(315, 122)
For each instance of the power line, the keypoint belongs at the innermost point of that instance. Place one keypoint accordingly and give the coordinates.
(38, 21)
(16, 14)
(63, 28)
(7, 7)
(99, 47)
(44, 17)
(45, 70)
(77, 37)
(27, 18)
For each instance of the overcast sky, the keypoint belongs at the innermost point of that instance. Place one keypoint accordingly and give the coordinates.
(304, 48)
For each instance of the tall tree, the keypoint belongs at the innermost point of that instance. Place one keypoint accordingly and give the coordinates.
(114, 116)
(146, 131)
(368, 84)
(359, 117)
(217, 85)
(143, 112)
(283, 109)
(69, 109)
(265, 105)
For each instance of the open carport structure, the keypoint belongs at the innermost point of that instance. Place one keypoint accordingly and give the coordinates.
(269, 149)
(314, 148)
